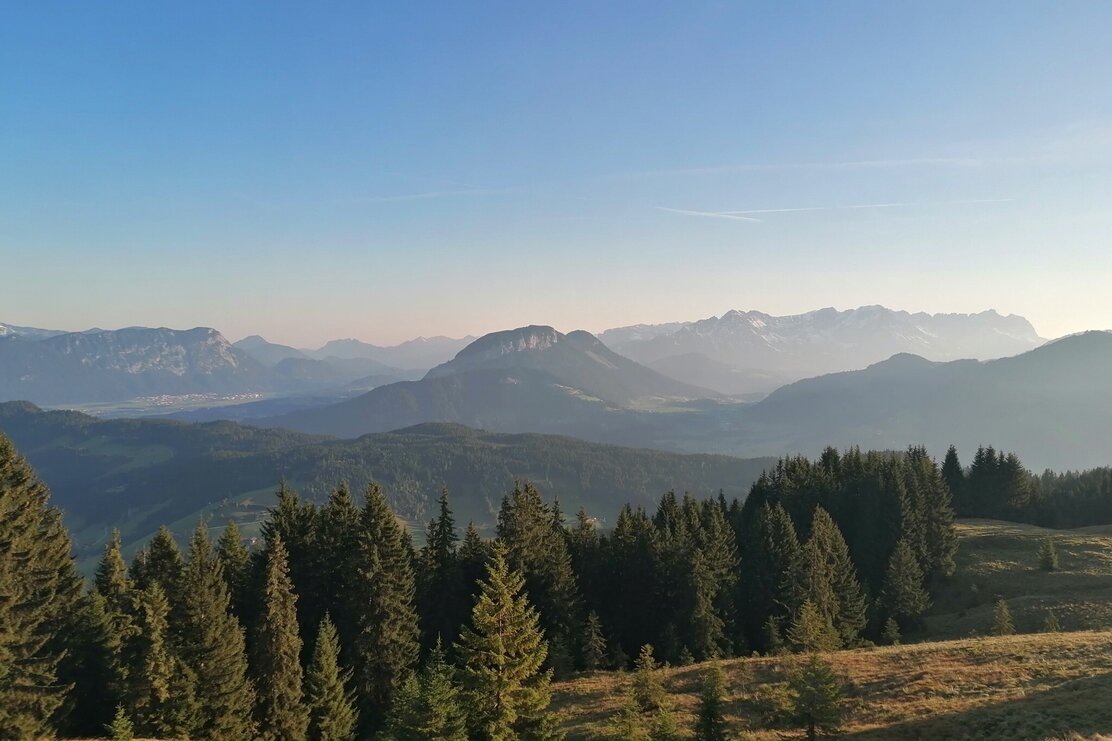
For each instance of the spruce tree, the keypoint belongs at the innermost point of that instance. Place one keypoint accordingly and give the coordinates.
(1051, 624)
(39, 589)
(629, 723)
(388, 643)
(710, 723)
(891, 632)
(812, 630)
(502, 654)
(111, 577)
(442, 600)
(772, 558)
(1002, 624)
(214, 646)
(161, 561)
(473, 555)
(94, 667)
(1048, 555)
(664, 726)
(235, 560)
(903, 597)
(120, 728)
(428, 705)
(648, 691)
(161, 688)
(332, 713)
(594, 643)
(816, 702)
(830, 579)
(336, 551)
(282, 714)
(537, 547)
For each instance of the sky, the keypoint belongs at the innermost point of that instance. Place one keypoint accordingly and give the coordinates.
(386, 170)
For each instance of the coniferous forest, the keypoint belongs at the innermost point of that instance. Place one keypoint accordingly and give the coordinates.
(337, 625)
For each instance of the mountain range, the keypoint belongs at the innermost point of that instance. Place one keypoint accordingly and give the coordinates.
(749, 352)
(1049, 404)
(59, 368)
(528, 379)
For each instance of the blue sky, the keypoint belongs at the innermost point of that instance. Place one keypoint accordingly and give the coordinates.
(388, 170)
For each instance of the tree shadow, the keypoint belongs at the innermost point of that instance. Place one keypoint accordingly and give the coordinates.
(1082, 706)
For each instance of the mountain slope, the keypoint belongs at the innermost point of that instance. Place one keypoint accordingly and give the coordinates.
(114, 365)
(1050, 405)
(137, 474)
(267, 353)
(423, 352)
(529, 379)
(823, 341)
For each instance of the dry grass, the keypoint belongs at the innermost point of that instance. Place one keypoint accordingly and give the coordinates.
(1018, 687)
(998, 559)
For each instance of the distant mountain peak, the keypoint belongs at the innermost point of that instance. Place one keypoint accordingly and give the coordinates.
(522, 339)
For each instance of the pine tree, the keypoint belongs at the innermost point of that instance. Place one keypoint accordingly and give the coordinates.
(502, 653)
(816, 697)
(953, 475)
(664, 726)
(830, 579)
(1051, 625)
(235, 560)
(161, 561)
(336, 553)
(629, 722)
(94, 667)
(903, 597)
(332, 714)
(891, 633)
(1048, 555)
(111, 577)
(813, 631)
(1002, 624)
(428, 705)
(120, 729)
(214, 646)
(162, 690)
(39, 590)
(538, 548)
(648, 691)
(282, 714)
(594, 643)
(387, 645)
(710, 723)
(441, 597)
(473, 555)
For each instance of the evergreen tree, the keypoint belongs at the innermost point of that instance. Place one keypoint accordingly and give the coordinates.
(161, 562)
(710, 723)
(296, 522)
(214, 647)
(1051, 625)
(235, 560)
(111, 577)
(629, 722)
(812, 631)
(773, 636)
(538, 549)
(281, 713)
(1002, 624)
(830, 579)
(891, 633)
(903, 597)
(502, 653)
(39, 589)
(1048, 555)
(332, 714)
(120, 728)
(336, 554)
(664, 726)
(953, 474)
(473, 555)
(387, 645)
(162, 690)
(816, 697)
(428, 705)
(94, 667)
(594, 643)
(442, 600)
(648, 691)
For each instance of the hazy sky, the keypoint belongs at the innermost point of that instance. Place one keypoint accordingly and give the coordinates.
(378, 170)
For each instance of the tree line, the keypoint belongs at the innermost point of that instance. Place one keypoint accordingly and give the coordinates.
(337, 625)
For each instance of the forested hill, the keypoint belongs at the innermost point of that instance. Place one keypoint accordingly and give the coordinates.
(138, 474)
